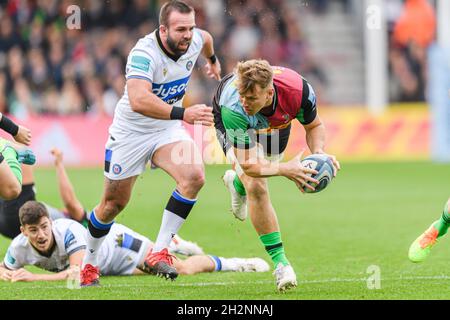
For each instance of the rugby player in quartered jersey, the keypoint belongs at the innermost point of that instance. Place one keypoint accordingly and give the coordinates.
(255, 107)
(147, 127)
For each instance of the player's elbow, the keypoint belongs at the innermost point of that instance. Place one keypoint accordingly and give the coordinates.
(136, 103)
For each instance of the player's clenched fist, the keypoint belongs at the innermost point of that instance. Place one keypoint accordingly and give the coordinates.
(58, 156)
(199, 113)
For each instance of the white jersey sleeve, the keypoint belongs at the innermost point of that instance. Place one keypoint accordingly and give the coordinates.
(141, 62)
(12, 260)
(74, 238)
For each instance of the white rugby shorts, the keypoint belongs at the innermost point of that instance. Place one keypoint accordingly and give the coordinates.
(127, 153)
(115, 260)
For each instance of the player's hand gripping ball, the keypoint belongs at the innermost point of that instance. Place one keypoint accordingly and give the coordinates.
(323, 164)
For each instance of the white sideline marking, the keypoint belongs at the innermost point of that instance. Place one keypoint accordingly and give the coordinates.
(206, 284)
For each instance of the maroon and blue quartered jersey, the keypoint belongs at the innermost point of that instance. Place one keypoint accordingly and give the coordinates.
(294, 98)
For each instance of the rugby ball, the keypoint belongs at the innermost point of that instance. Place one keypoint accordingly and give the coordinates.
(323, 164)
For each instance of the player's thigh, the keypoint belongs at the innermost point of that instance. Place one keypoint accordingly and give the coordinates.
(118, 192)
(126, 154)
(181, 160)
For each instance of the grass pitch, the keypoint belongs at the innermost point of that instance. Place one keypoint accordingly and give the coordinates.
(367, 217)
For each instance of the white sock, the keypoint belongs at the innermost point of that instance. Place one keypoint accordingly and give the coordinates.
(228, 264)
(92, 243)
(170, 225)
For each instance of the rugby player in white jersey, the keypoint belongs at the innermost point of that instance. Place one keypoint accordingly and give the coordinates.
(147, 127)
(59, 246)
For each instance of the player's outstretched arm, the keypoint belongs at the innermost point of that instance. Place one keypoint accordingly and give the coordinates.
(143, 101)
(23, 275)
(66, 190)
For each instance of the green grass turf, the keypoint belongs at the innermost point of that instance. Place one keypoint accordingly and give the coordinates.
(368, 216)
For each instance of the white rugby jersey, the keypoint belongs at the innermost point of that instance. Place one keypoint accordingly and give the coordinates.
(149, 60)
(69, 236)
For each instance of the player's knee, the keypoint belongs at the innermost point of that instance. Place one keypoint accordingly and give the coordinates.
(11, 191)
(194, 181)
(198, 179)
(256, 188)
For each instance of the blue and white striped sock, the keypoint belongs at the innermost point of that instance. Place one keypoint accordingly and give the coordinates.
(217, 262)
(97, 231)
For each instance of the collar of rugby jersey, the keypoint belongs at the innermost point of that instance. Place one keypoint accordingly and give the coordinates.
(172, 56)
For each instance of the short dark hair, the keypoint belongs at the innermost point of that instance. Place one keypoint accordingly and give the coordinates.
(31, 212)
(174, 5)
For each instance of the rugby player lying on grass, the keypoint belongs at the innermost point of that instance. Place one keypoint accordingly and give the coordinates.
(59, 246)
(73, 209)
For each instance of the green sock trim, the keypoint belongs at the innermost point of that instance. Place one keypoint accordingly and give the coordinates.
(10, 155)
(239, 186)
(274, 247)
(443, 223)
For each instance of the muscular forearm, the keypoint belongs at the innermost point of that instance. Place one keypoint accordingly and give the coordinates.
(315, 138)
(151, 106)
(263, 169)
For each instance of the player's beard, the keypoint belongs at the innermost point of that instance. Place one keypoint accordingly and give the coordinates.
(173, 46)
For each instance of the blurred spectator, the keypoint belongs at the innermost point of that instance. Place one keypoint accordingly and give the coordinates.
(417, 24)
(47, 68)
(410, 37)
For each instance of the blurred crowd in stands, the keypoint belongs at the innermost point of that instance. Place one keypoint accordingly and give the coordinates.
(412, 29)
(46, 68)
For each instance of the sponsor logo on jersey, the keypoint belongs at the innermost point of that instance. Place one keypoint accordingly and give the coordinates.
(141, 63)
(116, 168)
(9, 258)
(172, 91)
(69, 239)
(189, 65)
